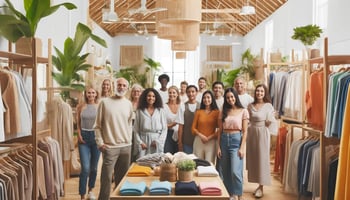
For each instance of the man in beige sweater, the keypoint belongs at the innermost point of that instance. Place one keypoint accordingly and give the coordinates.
(113, 127)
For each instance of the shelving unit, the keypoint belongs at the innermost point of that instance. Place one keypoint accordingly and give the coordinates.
(19, 62)
(327, 61)
(303, 65)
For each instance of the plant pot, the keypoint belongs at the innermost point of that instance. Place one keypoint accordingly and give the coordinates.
(185, 176)
(314, 53)
(167, 172)
(24, 46)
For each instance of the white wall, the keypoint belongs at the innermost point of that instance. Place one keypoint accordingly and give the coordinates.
(299, 13)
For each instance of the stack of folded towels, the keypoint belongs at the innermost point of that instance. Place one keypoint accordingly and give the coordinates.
(160, 188)
(138, 170)
(207, 171)
(132, 189)
(210, 188)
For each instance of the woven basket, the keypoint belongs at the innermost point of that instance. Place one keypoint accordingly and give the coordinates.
(185, 176)
(167, 172)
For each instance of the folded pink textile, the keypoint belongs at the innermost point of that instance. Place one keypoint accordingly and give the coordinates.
(210, 188)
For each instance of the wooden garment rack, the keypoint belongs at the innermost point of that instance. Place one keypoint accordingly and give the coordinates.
(326, 61)
(19, 62)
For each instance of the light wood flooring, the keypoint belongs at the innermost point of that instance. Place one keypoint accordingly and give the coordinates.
(273, 192)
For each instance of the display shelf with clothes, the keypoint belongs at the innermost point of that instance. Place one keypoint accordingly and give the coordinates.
(323, 104)
(286, 83)
(24, 113)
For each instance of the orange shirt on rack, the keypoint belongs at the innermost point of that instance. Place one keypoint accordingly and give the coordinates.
(314, 100)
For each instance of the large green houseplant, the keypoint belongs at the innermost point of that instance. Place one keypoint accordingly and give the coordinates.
(307, 34)
(15, 25)
(69, 63)
(248, 65)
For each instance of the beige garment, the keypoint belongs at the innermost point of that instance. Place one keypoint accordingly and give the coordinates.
(12, 124)
(258, 145)
(41, 177)
(62, 127)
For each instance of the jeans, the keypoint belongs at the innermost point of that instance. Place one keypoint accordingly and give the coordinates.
(231, 163)
(89, 156)
(188, 149)
(170, 145)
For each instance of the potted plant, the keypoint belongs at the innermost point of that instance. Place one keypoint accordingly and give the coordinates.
(185, 169)
(69, 63)
(151, 69)
(307, 35)
(14, 24)
(20, 28)
(248, 64)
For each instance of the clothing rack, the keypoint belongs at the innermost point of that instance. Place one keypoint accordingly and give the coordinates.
(327, 61)
(19, 62)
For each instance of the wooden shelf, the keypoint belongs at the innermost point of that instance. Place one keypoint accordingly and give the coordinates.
(17, 58)
(332, 60)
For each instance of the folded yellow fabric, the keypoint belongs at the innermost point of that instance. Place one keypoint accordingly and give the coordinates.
(138, 170)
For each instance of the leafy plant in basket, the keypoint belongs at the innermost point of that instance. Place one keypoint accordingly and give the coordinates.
(186, 165)
(307, 34)
(14, 24)
(69, 63)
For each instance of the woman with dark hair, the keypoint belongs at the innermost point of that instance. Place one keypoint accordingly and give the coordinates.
(204, 127)
(233, 124)
(150, 126)
(88, 150)
(262, 121)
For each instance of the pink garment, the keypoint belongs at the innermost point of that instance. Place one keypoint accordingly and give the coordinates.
(210, 188)
(234, 122)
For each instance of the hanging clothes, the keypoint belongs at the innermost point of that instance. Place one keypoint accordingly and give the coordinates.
(342, 190)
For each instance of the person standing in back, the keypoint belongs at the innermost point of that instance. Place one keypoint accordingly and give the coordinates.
(202, 87)
(106, 88)
(185, 118)
(218, 90)
(88, 151)
(163, 91)
(113, 127)
(240, 86)
(183, 95)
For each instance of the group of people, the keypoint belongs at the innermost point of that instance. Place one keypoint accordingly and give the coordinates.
(217, 125)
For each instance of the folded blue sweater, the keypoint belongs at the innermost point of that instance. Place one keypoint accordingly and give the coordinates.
(132, 189)
(160, 188)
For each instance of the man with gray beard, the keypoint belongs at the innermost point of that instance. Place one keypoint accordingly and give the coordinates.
(113, 127)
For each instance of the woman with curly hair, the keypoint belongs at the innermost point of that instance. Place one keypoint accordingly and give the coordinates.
(150, 126)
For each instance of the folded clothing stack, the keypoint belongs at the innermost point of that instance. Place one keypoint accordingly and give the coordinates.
(207, 171)
(210, 188)
(201, 162)
(132, 189)
(138, 170)
(160, 188)
(186, 188)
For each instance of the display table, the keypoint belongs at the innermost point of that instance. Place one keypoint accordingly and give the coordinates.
(148, 180)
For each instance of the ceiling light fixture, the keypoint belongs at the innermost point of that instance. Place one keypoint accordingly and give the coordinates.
(109, 15)
(247, 10)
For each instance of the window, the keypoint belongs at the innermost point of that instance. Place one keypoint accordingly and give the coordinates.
(320, 13)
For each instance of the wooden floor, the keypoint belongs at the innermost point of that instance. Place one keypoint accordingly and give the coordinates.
(272, 192)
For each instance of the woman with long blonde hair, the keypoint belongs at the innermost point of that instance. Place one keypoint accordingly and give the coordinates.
(88, 150)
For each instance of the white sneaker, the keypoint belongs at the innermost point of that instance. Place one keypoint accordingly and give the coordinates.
(91, 196)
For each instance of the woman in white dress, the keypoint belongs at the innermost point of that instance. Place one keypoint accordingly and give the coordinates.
(262, 119)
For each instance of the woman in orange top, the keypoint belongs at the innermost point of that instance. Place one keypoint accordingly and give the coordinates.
(204, 127)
